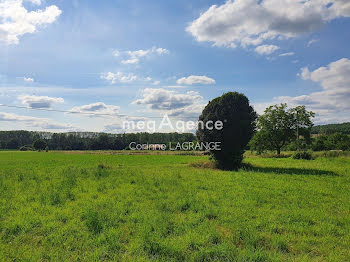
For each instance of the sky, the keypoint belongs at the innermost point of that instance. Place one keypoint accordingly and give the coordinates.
(73, 65)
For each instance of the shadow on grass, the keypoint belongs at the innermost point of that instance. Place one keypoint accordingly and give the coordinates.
(288, 170)
(205, 164)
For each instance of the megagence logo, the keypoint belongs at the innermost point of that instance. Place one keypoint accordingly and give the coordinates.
(179, 126)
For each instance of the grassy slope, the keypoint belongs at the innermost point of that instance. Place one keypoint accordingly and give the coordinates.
(56, 206)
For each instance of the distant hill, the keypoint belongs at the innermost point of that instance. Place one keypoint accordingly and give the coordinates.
(343, 128)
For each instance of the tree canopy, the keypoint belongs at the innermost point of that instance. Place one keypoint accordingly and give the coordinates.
(280, 125)
(234, 110)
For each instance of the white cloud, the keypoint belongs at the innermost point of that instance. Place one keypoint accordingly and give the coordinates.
(28, 79)
(113, 128)
(133, 57)
(34, 122)
(16, 21)
(96, 109)
(333, 102)
(175, 86)
(116, 53)
(161, 51)
(119, 77)
(35, 2)
(266, 49)
(156, 82)
(130, 61)
(40, 101)
(190, 80)
(252, 22)
(312, 41)
(287, 54)
(171, 102)
(123, 77)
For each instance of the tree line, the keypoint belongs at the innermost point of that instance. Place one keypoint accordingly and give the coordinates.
(86, 141)
(343, 128)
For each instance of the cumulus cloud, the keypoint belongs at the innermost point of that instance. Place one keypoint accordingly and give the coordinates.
(40, 101)
(190, 80)
(133, 57)
(252, 22)
(28, 79)
(96, 109)
(118, 77)
(266, 49)
(332, 102)
(171, 102)
(16, 21)
(34, 122)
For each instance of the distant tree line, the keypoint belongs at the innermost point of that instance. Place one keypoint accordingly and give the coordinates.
(86, 141)
(326, 137)
(343, 128)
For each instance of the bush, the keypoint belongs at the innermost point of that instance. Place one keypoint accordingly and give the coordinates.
(238, 118)
(302, 155)
(26, 148)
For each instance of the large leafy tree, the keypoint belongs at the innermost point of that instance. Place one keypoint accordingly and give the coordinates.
(238, 118)
(280, 125)
(39, 144)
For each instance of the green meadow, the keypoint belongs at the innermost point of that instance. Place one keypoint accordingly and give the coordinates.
(59, 206)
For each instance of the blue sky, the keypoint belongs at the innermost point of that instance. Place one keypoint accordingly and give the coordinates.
(150, 58)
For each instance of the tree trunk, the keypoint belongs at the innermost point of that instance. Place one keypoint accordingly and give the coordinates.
(278, 151)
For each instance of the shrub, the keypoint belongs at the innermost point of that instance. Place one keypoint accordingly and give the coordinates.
(238, 117)
(26, 148)
(302, 155)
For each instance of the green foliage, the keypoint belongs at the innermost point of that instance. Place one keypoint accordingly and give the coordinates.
(239, 117)
(88, 141)
(260, 142)
(278, 126)
(159, 208)
(302, 155)
(39, 144)
(335, 141)
(343, 128)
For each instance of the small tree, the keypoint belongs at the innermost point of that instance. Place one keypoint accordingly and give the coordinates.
(279, 125)
(238, 117)
(39, 144)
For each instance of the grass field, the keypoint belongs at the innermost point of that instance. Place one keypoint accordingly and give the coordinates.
(100, 207)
